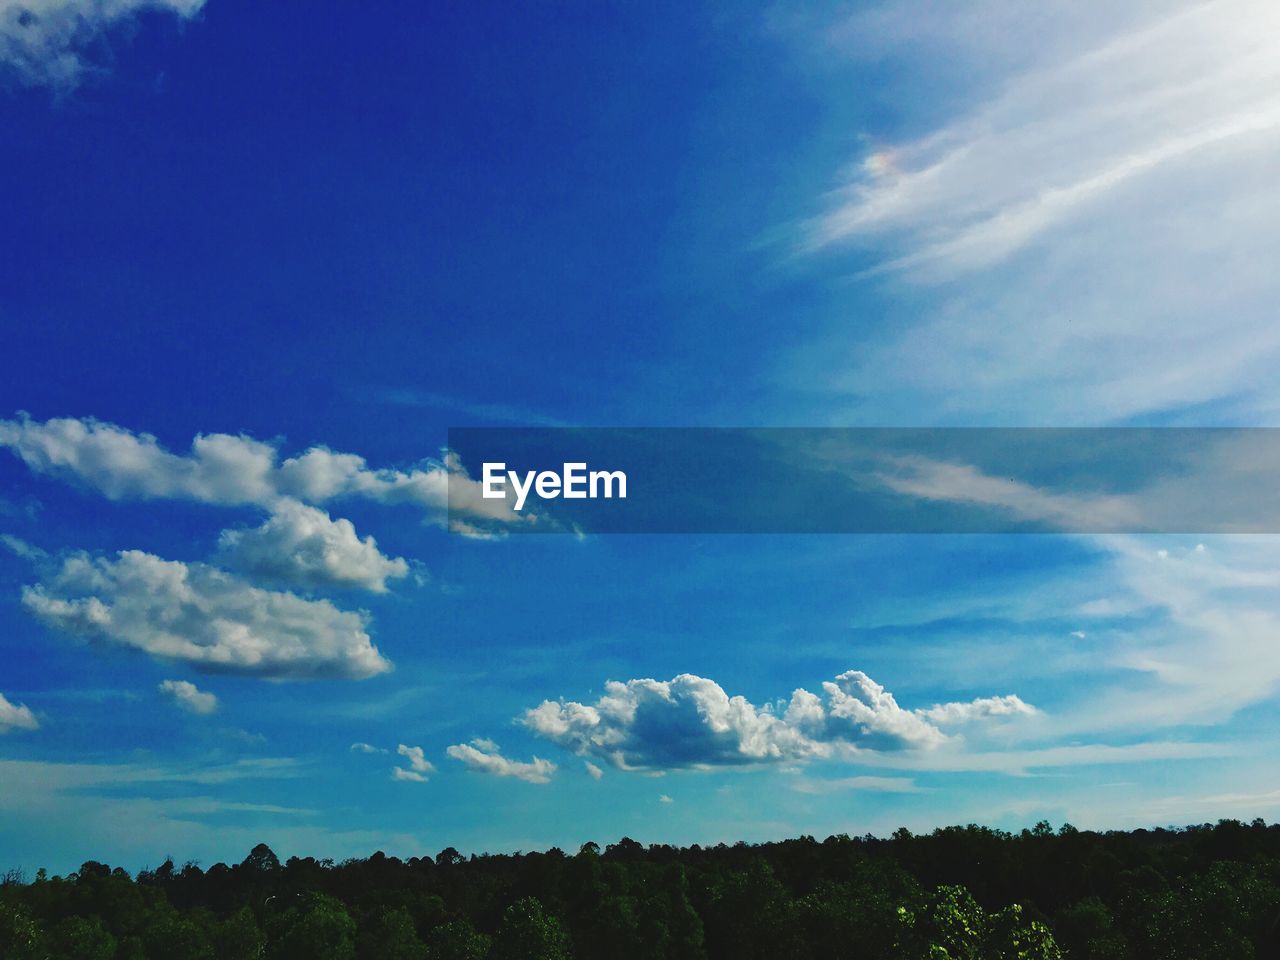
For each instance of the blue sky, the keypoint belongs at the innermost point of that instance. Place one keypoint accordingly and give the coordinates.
(256, 263)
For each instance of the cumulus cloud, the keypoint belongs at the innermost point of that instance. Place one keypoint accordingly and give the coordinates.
(234, 470)
(16, 716)
(985, 708)
(204, 617)
(418, 768)
(303, 546)
(187, 696)
(43, 42)
(691, 722)
(484, 756)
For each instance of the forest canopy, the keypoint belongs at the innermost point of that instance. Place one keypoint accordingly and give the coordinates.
(959, 892)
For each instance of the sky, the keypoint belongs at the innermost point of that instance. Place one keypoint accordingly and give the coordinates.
(256, 262)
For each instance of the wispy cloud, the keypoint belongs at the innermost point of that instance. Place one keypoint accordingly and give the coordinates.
(43, 42)
(1106, 204)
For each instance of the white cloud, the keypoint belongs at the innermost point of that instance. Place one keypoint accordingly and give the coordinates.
(16, 716)
(955, 714)
(43, 41)
(1104, 197)
(233, 470)
(187, 696)
(812, 785)
(665, 799)
(483, 756)
(204, 617)
(366, 748)
(962, 483)
(691, 722)
(593, 771)
(303, 546)
(20, 548)
(419, 765)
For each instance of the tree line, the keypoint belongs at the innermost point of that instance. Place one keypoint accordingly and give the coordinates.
(958, 893)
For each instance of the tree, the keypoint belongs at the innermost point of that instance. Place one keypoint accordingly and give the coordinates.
(317, 928)
(527, 933)
(389, 935)
(20, 936)
(457, 940)
(81, 938)
(238, 937)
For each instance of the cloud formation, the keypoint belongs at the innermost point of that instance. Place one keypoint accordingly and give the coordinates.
(201, 616)
(484, 756)
(236, 470)
(691, 722)
(1098, 195)
(43, 41)
(16, 716)
(187, 696)
(418, 768)
(303, 546)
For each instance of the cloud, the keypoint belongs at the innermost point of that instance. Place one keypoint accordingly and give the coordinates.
(977, 191)
(815, 786)
(691, 722)
(16, 716)
(236, 470)
(1102, 197)
(201, 616)
(952, 482)
(483, 756)
(20, 548)
(419, 765)
(665, 799)
(43, 42)
(302, 546)
(366, 748)
(986, 708)
(593, 771)
(187, 696)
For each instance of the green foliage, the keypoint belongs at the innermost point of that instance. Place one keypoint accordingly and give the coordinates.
(457, 940)
(316, 928)
(527, 933)
(81, 938)
(20, 936)
(389, 935)
(959, 893)
(950, 925)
